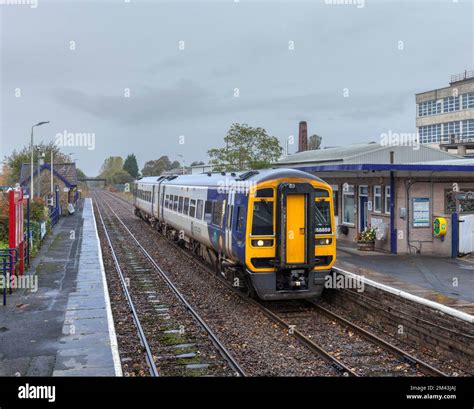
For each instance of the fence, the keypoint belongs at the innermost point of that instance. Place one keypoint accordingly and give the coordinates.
(8, 259)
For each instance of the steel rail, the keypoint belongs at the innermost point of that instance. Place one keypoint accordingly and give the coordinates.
(308, 343)
(222, 349)
(418, 363)
(141, 333)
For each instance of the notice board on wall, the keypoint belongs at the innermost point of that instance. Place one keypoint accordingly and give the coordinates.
(421, 212)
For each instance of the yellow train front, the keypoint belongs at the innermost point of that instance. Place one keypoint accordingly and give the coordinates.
(269, 231)
(291, 240)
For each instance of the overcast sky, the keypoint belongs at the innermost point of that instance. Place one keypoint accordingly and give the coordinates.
(350, 71)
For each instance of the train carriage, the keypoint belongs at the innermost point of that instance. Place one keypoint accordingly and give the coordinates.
(270, 231)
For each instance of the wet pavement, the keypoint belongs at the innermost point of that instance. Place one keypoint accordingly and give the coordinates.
(64, 328)
(445, 280)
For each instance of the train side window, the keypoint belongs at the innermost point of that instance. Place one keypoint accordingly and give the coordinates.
(240, 219)
(217, 213)
(186, 205)
(208, 211)
(175, 203)
(192, 208)
(180, 204)
(167, 201)
(199, 209)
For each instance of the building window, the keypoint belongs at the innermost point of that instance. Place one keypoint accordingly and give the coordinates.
(468, 100)
(427, 108)
(377, 199)
(387, 199)
(430, 133)
(451, 104)
(348, 204)
(468, 128)
(451, 130)
(466, 203)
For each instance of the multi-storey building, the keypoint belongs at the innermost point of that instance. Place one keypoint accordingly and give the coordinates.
(445, 116)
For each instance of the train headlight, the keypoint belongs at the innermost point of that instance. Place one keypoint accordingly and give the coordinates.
(262, 243)
(324, 242)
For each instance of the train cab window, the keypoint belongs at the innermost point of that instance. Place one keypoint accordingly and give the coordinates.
(186, 205)
(208, 211)
(192, 208)
(180, 204)
(199, 209)
(240, 219)
(175, 203)
(217, 212)
(322, 217)
(262, 222)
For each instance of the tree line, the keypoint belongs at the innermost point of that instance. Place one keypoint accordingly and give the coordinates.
(245, 147)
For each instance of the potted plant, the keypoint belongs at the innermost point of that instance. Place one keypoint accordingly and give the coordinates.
(366, 239)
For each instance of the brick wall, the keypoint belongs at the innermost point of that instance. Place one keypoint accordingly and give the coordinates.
(421, 238)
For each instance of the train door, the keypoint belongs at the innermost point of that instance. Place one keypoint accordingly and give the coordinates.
(295, 226)
(295, 229)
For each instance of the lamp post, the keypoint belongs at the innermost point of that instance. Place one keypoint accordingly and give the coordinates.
(32, 151)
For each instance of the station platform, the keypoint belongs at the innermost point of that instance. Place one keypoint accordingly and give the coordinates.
(446, 281)
(65, 326)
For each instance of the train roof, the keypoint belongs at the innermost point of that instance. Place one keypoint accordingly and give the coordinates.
(217, 178)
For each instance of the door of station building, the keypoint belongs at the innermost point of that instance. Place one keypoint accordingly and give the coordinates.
(296, 228)
(466, 234)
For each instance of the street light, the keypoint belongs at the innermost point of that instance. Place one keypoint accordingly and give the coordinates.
(32, 150)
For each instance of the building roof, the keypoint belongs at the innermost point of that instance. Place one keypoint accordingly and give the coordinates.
(366, 153)
(329, 154)
(64, 171)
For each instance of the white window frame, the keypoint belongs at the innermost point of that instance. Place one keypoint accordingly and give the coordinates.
(377, 195)
(344, 194)
(387, 195)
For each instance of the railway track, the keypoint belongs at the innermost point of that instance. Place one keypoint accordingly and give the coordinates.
(359, 349)
(135, 265)
(357, 352)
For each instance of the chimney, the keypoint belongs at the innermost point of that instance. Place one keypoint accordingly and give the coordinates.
(303, 137)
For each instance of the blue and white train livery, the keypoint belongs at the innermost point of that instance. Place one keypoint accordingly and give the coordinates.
(269, 231)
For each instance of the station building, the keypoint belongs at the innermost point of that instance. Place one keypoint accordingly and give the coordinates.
(399, 190)
(65, 182)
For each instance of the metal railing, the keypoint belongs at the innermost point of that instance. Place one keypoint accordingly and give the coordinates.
(54, 214)
(8, 259)
(462, 76)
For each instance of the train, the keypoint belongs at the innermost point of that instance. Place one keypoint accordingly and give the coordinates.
(269, 232)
